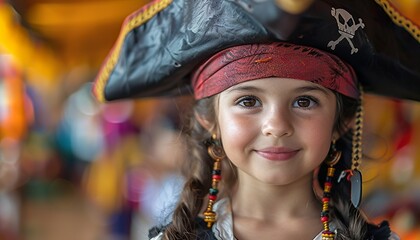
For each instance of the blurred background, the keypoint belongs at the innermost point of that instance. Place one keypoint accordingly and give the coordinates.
(71, 168)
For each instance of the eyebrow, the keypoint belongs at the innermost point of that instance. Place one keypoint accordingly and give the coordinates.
(298, 90)
(313, 88)
(244, 88)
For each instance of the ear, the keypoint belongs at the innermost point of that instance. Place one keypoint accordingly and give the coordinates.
(204, 122)
(335, 136)
(348, 125)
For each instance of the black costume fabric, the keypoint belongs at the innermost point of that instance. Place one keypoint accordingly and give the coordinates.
(162, 43)
(374, 232)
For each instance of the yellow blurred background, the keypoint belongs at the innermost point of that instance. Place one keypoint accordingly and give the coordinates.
(73, 169)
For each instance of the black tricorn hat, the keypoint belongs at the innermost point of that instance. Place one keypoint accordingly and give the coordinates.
(162, 43)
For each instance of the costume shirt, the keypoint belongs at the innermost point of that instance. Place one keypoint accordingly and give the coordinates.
(223, 228)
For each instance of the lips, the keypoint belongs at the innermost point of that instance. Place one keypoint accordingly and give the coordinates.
(277, 153)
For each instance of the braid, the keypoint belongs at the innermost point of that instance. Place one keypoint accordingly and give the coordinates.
(183, 224)
(197, 172)
(348, 220)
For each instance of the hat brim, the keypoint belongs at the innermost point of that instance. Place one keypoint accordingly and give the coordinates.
(162, 43)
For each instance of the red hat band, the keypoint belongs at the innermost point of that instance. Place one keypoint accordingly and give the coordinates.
(284, 60)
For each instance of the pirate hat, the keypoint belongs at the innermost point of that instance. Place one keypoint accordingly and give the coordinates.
(162, 43)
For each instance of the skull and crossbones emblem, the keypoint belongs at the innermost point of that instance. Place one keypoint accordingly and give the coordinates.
(347, 27)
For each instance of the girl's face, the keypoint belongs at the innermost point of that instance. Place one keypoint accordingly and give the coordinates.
(276, 130)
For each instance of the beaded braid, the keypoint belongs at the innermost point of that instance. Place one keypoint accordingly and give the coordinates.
(348, 221)
(183, 224)
(216, 152)
(333, 157)
(326, 233)
(197, 172)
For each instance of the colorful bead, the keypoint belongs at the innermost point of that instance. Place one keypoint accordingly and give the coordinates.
(217, 155)
(331, 172)
(213, 191)
(209, 217)
(327, 234)
(217, 177)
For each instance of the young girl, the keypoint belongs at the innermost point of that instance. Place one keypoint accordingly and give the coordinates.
(265, 137)
(275, 134)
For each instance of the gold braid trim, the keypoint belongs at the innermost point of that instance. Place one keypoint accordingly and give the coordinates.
(357, 134)
(399, 19)
(134, 20)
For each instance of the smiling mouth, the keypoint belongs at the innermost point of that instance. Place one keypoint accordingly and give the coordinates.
(277, 154)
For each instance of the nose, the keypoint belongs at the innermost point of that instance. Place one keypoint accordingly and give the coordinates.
(277, 123)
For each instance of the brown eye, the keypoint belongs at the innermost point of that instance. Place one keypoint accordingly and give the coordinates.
(248, 102)
(304, 102)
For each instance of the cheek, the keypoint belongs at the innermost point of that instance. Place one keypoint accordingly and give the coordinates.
(318, 134)
(235, 132)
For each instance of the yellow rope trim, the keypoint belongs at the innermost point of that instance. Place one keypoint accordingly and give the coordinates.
(399, 19)
(132, 21)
